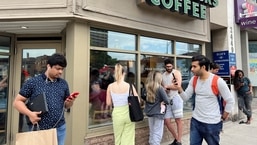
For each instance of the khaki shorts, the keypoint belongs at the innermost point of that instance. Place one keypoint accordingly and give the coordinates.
(175, 110)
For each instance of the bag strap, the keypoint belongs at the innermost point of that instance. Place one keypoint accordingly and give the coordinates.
(131, 89)
(35, 129)
(60, 116)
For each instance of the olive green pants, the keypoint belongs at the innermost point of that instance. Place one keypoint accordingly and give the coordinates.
(124, 129)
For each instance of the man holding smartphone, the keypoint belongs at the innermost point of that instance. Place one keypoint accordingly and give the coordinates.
(57, 96)
(175, 108)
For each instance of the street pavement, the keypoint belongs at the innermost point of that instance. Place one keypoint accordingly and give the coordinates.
(234, 133)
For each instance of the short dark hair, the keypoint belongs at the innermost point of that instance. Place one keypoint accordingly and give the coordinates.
(203, 61)
(57, 59)
(168, 61)
(214, 66)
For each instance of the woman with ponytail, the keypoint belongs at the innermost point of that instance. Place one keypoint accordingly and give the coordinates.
(117, 96)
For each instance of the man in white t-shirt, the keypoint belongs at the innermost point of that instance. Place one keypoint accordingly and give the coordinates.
(207, 119)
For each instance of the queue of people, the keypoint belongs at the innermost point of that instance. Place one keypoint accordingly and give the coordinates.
(163, 102)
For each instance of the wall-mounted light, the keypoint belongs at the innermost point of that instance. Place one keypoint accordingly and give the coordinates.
(24, 27)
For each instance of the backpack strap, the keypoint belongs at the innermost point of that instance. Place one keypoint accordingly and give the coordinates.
(215, 90)
(214, 85)
(194, 82)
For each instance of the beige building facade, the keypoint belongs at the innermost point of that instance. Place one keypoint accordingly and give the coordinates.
(94, 36)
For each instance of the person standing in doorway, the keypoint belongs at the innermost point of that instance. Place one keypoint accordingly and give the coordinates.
(57, 95)
(175, 107)
(244, 91)
(207, 118)
(117, 96)
(155, 106)
(214, 68)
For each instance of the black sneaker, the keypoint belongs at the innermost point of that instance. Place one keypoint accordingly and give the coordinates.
(174, 142)
(178, 143)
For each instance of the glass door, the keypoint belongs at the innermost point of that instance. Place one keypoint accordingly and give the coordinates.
(5, 49)
(31, 61)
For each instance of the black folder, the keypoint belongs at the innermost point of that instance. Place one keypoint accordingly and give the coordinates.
(38, 103)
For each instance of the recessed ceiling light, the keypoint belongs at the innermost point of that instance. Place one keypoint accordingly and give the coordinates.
(24, 27)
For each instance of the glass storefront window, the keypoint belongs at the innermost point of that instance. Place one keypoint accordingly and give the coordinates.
(5, 44)
(184, 65)
(187, 49)
(155, 45)
(102, 65)
(4, 72)
(111, 39)
(149, 63)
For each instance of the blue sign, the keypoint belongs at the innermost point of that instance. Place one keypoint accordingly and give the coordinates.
(222, 58)
(232, 59)
(224, 69)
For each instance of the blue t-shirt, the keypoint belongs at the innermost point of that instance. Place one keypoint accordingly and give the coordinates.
(56, 92)
(245, 88)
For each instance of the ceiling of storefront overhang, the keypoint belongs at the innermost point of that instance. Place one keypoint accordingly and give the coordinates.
(33, 27)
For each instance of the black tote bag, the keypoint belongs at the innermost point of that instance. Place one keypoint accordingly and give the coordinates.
(135, 111)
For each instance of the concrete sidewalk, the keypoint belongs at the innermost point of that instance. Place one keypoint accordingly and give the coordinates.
(234, 133)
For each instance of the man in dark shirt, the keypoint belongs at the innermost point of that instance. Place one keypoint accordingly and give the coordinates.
(57, 95)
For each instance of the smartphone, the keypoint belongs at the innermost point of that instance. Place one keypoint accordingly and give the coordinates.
(174, 78)
(73, 95)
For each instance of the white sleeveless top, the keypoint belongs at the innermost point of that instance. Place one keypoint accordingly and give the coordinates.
(119, 99)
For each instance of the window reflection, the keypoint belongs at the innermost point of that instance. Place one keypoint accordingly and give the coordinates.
(183, 65)
(5, 44)
(150, 62)
(148, 44)
(101, 75)
(102, 65)
(111, 39)
(4, 71)
(187, 49)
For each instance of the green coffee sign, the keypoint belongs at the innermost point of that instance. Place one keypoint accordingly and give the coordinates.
(194, 8)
